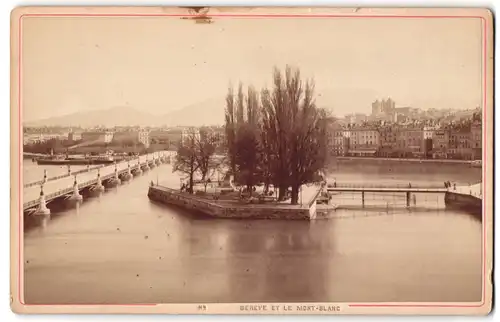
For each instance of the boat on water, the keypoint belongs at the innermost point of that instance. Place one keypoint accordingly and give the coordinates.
(75, 160)
(476, 164)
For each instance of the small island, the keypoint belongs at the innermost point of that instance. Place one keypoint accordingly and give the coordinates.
(275, 156)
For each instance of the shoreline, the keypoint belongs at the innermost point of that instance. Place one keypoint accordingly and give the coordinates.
(401, 160)
(227, 210)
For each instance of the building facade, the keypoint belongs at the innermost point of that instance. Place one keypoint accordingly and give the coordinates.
(477, 141)
(74, 136)
(459, 145)
(410, 142)
(440, 141)
(131, 138)
(388, 141)
(363, 142)
(338, 141)
(101, 136)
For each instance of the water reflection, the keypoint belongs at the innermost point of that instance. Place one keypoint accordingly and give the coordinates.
(122, 248)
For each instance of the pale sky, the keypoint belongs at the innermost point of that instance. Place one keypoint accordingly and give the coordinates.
(160, 64)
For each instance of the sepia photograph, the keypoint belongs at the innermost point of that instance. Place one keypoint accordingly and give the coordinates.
(251, 160)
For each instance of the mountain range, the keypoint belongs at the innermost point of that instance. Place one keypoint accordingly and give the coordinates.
(207, 112)
(210, 112)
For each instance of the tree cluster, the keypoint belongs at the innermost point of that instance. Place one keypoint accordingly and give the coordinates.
(277, 136)
(196, 155)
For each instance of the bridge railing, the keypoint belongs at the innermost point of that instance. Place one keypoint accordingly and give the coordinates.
(64, 191)
(385, 186)
(39, 182)
(313, 200)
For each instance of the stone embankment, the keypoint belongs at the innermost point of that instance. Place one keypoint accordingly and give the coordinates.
(468, 198)
(236, 210)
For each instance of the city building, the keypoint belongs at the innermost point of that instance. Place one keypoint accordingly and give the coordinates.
(477, 141)
(410, 142)
(440, 139)
(338, 140)
(383, 110)
(356, 118)
(74, 136)
(428, 132)
(363, 141)
(131, 138)
(459, 144)
(388, 140)
(97, 136)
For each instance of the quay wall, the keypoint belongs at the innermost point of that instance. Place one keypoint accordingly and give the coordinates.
(469, 203)
(381, 160)
(223, 210)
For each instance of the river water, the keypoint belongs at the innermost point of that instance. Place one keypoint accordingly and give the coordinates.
(121, 248)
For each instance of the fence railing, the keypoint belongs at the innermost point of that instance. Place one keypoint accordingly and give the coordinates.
(39, 182)
(386, 186)
(313, 200)
(82, 185)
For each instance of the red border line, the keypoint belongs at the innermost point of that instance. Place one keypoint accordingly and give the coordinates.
(415, 305)
(485, 150)
(21, 213)
(484, 72)
(238, 15)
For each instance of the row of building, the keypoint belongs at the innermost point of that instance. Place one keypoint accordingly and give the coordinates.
(407, 141)
(387, 111)
(135, 136)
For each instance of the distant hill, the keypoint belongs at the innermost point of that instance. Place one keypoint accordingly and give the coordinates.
(209, 112)
(120, 115)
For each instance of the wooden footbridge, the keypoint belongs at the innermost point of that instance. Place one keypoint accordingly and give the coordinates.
(409, 189)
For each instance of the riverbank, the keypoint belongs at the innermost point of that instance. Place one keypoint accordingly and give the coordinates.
(466, 198)
(227, 209)
(401, 160)
(124, 248)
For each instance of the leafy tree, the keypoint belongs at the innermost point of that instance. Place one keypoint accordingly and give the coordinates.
(280, 139)
(186, 159)
(248, 141)
(243, 138)
(205, 145)
(230, 129)
(296, 131)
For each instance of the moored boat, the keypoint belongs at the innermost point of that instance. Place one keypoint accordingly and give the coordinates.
(476, 164)
(71, 160)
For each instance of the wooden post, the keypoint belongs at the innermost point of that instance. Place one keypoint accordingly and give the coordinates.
(363, 199)
(407, 199)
